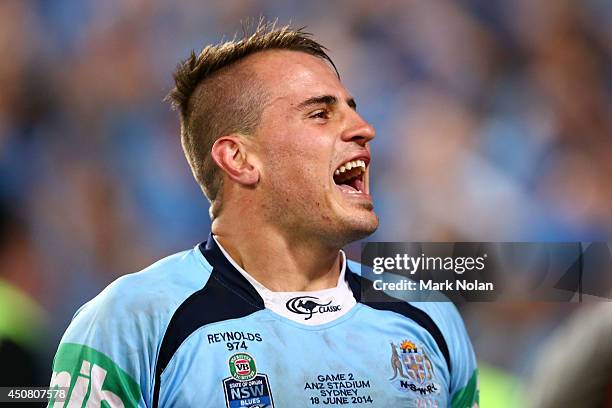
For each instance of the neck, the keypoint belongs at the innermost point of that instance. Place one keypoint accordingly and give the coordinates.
(278, 261)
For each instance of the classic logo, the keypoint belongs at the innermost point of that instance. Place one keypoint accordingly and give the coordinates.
(412, 368)
(246, 388)
(93, 378)
(309, 305)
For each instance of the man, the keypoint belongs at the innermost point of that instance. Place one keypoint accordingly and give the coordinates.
(267, 312)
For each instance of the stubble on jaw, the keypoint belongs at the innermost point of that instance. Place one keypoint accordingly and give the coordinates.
(305, 221)
(308, 210)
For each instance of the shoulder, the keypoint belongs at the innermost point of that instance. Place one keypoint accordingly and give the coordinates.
(117, 334)
(133, 311)
(441, 319)
(442, 310)
(151, 292)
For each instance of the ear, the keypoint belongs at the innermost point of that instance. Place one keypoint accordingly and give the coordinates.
(230, 153)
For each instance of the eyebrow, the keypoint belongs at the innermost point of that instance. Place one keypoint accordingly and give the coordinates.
(325, 100)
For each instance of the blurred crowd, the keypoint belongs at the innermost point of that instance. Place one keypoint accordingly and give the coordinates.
(494, 123)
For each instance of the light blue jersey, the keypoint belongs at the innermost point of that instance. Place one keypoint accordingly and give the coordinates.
(191, 331)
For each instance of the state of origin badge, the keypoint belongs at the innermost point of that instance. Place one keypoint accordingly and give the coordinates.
(246, 388)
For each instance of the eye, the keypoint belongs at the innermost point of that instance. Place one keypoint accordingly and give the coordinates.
(320, 114)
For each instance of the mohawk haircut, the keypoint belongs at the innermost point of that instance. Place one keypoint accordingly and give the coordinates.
(215, 95)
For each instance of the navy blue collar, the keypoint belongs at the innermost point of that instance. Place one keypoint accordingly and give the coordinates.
(227, 274)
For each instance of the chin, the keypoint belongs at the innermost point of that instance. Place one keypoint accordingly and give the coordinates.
(360, 227)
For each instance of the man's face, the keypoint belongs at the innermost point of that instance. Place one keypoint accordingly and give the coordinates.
(313, 151)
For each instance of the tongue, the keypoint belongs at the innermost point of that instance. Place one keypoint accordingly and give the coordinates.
(347, 187)
(358, 183)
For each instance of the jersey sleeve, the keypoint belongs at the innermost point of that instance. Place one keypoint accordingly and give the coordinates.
(464, 391)
(105, 354)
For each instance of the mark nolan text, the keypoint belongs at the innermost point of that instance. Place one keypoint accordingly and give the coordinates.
(448, 285)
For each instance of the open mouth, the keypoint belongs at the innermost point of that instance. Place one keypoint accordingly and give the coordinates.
(349, 177)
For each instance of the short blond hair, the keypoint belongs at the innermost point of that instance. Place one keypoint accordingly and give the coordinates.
(214, 96)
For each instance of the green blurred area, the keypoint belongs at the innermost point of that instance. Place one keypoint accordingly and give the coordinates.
(498, 388)
(21, 319)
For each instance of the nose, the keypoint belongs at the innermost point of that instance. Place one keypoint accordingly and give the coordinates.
(358, 129)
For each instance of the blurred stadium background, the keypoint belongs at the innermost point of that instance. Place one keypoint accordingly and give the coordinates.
(493, 119)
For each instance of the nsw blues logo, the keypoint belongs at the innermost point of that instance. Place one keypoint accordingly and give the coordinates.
(246, 388)
(412, 369)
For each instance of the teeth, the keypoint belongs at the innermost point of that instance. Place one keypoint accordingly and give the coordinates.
(351, 165)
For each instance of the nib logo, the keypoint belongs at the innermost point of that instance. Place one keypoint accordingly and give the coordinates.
(93, 379)
(88, 383)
